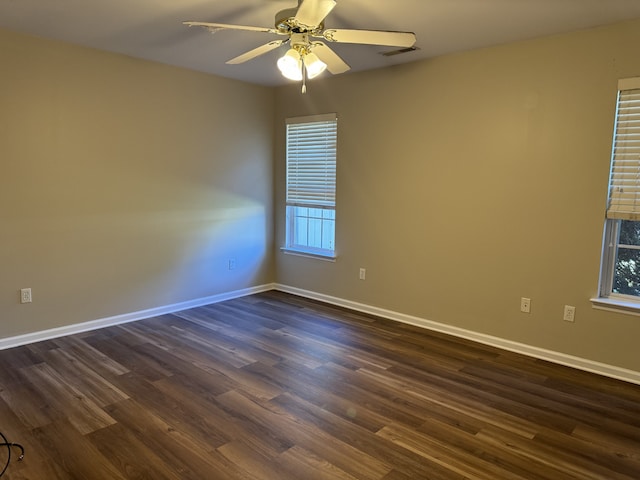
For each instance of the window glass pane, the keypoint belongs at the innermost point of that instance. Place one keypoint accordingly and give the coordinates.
(315, 212)
(328, 234)
(315, 232)
(626, 274)
(626, 278)
(629, 233)
(301, 230)
(329, 214)
(311, 228)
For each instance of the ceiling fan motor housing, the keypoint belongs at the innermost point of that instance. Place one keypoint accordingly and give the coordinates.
(285, 22)
(300, 42)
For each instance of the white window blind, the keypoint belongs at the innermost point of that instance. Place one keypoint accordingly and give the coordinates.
(311, 161)
(624, 183)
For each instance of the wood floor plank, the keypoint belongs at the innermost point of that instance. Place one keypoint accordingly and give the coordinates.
(228, 422)
(298, 378)
(367, 445)
(609, 457)
(188, 457)
(275, 386)
(29, 404)
(623, 446)
(254, 462)
(82, 412)
(226, 338)
(449, 458)
(172, 410)
(463, 443)
(129, 455)
(361, 390)
(538, 409)
(77, 347)
(84, 378)
(280, 421)
(302, 463)
(559, 464)
(120, 350)
(73, 454)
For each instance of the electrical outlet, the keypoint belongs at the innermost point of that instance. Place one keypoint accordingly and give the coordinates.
(25, 295)
(569, 313)
(525, 305)
(363, 273)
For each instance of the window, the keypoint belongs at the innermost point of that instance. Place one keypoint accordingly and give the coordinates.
(620, 273)
(311, 185)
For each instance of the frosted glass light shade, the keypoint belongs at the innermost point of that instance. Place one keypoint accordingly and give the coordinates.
(314, 65)
(290, 65)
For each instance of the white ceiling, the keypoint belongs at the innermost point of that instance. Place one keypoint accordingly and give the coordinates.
(153, 30)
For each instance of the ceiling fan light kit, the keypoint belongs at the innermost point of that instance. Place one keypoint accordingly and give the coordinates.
(306, 59)
(300, 61)
(313, 65)
(290, 65)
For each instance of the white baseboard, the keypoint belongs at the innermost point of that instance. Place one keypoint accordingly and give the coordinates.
(531, 351)
(127, 317)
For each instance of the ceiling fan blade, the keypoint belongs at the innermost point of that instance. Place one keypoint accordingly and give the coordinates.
(311, 13)
(371, 37)
(256, 52)
(335, 64)
(219, 26)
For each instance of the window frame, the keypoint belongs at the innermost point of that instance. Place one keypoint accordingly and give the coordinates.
(311, 198)
(609, 253)
(608, 299)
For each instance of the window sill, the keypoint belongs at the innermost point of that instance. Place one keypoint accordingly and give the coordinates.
(304, 253)
(618, 305)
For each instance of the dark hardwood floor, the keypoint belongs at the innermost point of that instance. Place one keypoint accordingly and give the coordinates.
(274, 386)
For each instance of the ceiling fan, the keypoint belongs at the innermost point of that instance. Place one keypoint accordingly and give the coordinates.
(308, 57)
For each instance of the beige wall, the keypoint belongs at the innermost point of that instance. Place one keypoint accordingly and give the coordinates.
(471, 180)
(126, 185)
